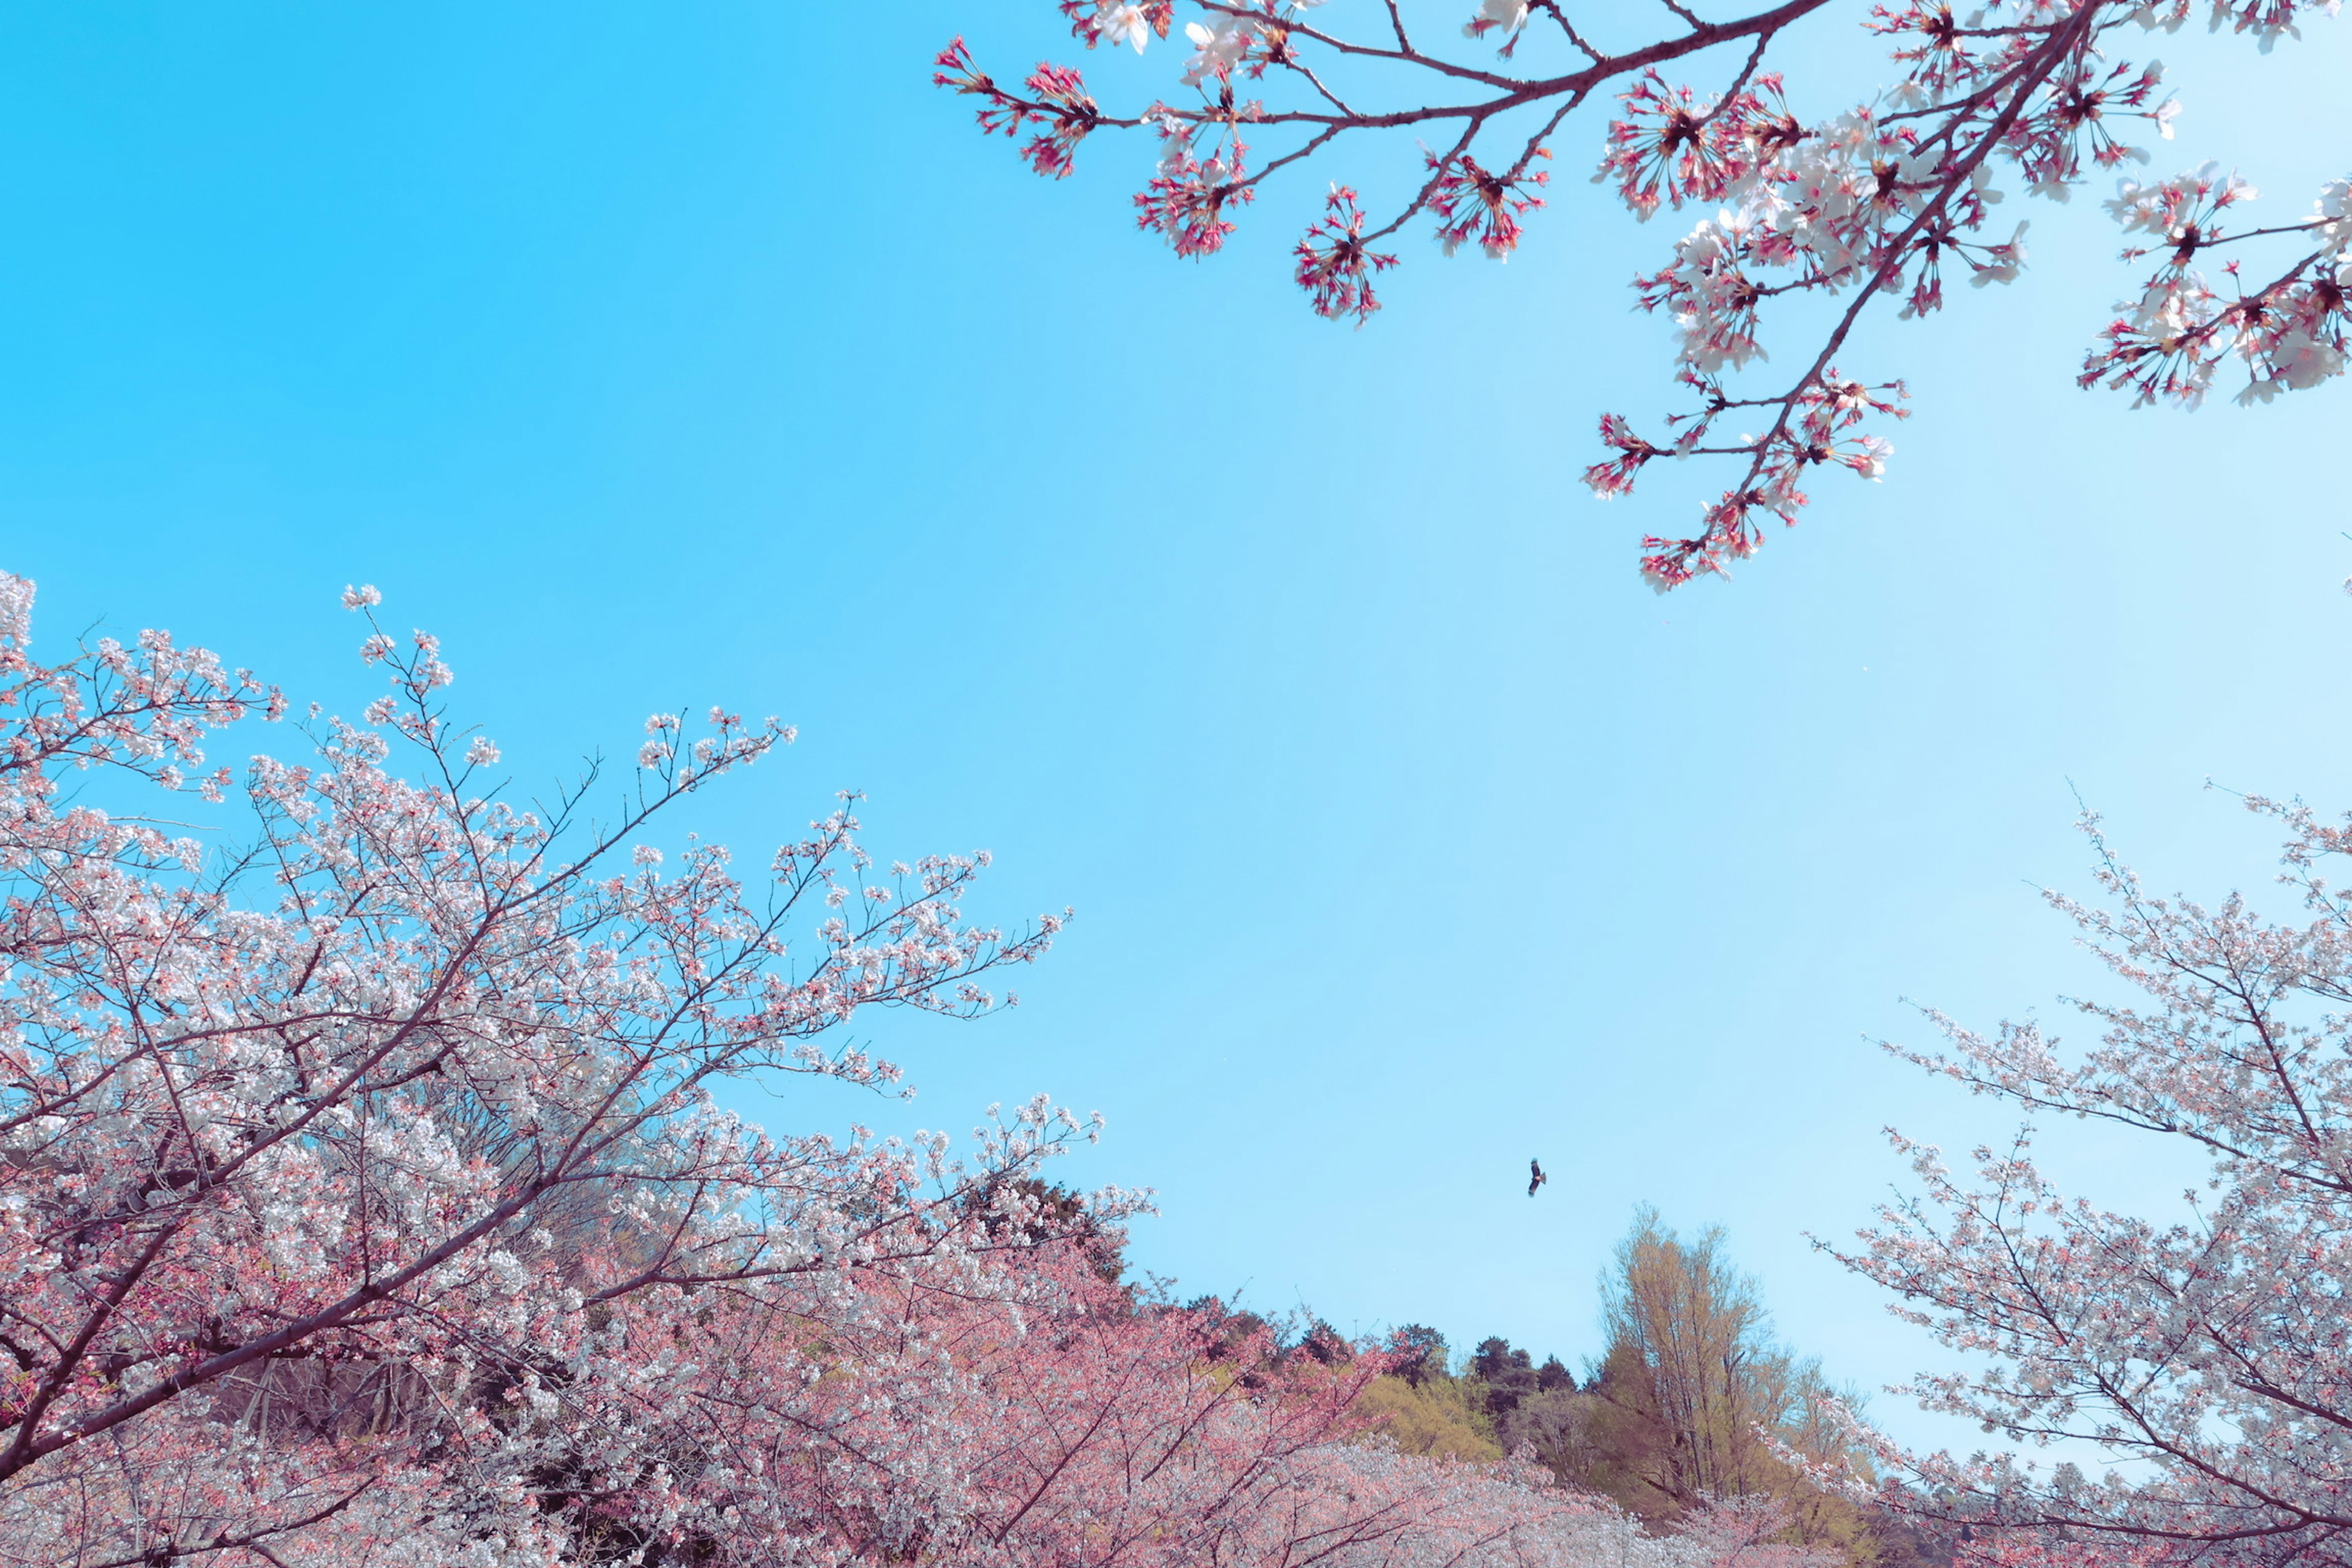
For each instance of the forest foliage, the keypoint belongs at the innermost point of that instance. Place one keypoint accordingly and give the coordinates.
(1691, 1399)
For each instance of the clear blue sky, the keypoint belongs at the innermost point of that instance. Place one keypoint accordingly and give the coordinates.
(660, 355)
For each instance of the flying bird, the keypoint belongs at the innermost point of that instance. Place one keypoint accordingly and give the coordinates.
(1536, 1177)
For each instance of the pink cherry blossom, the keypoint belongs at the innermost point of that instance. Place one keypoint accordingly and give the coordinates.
(1335, 266)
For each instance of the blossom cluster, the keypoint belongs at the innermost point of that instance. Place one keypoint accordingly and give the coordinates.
(1334, 265)
(2289, 333)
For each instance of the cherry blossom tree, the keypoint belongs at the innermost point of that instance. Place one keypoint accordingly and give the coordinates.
(1864, 199)
(2209, 1354)
(320, 1145)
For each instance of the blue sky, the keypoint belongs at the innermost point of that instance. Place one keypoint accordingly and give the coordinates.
(660, 357)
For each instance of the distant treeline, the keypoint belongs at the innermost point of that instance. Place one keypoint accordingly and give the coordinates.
(1692, 1398)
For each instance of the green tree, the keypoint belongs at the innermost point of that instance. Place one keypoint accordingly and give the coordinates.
(1441, 1416)
(1693, 1396)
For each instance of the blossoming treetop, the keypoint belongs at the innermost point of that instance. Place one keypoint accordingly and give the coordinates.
(2209, 1346)
(1874, 206)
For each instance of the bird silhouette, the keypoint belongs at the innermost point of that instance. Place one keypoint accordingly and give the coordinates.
(1536, 1177)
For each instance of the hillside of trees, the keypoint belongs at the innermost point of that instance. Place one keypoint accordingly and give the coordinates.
(1688, 1401)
